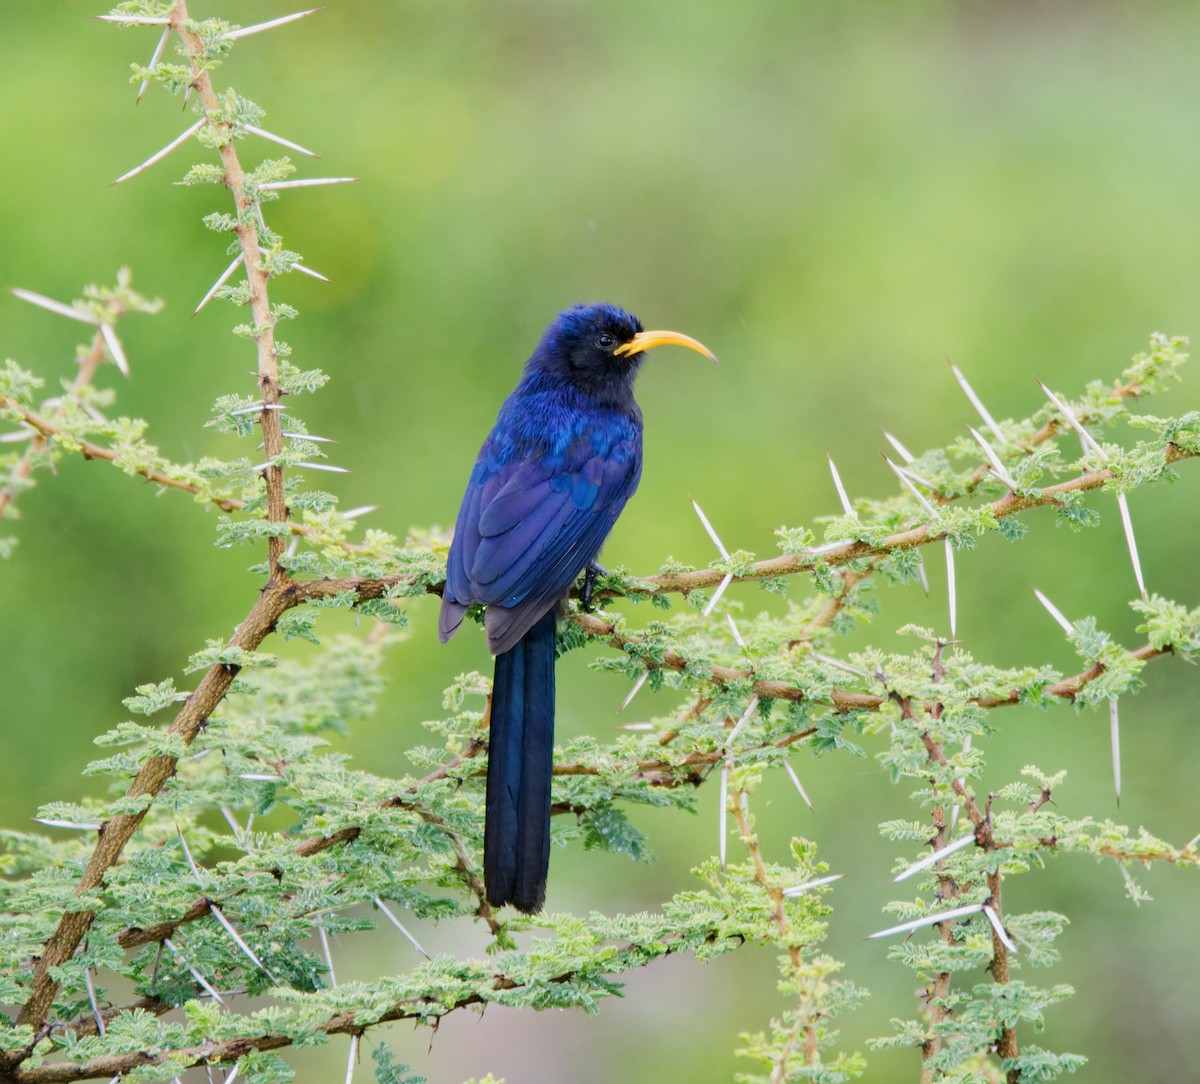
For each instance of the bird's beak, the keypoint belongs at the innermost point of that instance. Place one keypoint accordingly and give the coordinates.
(644, 340)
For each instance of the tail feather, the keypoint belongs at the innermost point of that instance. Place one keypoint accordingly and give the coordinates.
(516, 847)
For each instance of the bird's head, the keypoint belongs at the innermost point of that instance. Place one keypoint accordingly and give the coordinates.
(600, 347)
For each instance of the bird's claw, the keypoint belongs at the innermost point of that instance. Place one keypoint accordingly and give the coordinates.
(590, 574)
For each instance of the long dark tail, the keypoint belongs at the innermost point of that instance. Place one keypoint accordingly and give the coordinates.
(516, 835)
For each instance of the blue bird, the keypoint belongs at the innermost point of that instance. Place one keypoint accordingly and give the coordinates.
(564, 456)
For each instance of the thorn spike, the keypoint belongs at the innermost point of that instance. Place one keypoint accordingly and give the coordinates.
(246, 31)
(929, 920)
(903, 476)
(1074, 422)
(724, 802)
(1114, 728)
(936, 856)
(799, 786)
(326, 951)
(1055, 612)
(400, 926)
(796, 890)
(154, 59)
(1131, 542)
(51, 305)
(225, 276)
(178, 141)
(711, 533)
(847, 507)
(306, 182)
(998, 926)
(637, 688)
(901, 451)
(115, 348)
(951, 588)
(977, 403)
(264, 134)
(726, 580)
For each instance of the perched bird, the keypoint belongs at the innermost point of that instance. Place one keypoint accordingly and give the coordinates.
(564, 456)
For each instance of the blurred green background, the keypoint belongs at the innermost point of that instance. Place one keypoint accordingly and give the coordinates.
(834, 197)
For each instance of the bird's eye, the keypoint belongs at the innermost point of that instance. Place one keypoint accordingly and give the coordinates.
(606, 342)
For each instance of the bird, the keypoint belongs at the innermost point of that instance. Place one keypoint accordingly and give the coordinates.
(553, 475)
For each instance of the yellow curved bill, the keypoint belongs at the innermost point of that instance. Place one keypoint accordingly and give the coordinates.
(646, 340)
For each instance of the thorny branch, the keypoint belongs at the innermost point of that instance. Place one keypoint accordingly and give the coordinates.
(276, 598)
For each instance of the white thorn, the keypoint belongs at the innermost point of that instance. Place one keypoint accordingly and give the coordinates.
(200, 979)
(362, 510)
(91, 993)
(254, 130)
(829, 660)
(737, 636)
(54, 306)
(231, 1076)
(400, 926)
(306, 182)
(828, 547)
(847, 507)
(1131, 542)
(951, 588)
(187, 853)
(977, 403)
(637, 687)
(261, 777)
(81, 826)
(724, 801)
(324, 466)
(922, 578)
(902, 475)
(929, 920)
(237, 937)
(258, 408)
(798, 785)
(1069, 414)
(998, 926)
(637, 726)
(225, 276)
(741, 722)
(246, 31)
(954, 809)
(1055, 612)
(353, 1058)
(176, 142)
(796, 890)
(920, 479)
(18, 436)
(307, 436)
(901, 451)
(726, 580)
(937, 856)
(231, 820)
(993, 458)
(154, 59)
(711, 533)
(134, 20)
(1114, 727)
(324, 938)
(115, 348)
(310, 272)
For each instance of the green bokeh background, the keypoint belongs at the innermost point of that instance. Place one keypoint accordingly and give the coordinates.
(835, 197)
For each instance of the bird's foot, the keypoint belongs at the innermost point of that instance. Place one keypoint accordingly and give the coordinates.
(590, 574)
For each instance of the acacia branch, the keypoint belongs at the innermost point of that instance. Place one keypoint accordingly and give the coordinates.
(246, 229)
(89, 362)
